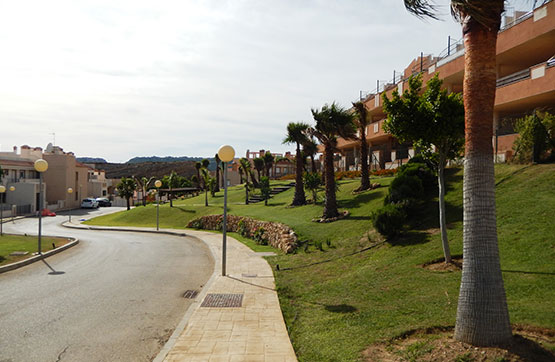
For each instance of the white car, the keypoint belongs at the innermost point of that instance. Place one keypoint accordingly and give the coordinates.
(89, 203)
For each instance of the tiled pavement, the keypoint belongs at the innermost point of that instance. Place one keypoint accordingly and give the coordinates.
(253, 332)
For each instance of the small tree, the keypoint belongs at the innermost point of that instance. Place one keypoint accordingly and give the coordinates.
(206, 181)
(265, 189)
(198, 166)
(268, 162)
(144, 183)
(310, 149)
(245, 165)
(217, 185)
(296, 133)
(433, 118)
(361, 121)
(313, 183)
(259, 166)
(126, 189)
(331, 122)
(172, 182)
(536, 137)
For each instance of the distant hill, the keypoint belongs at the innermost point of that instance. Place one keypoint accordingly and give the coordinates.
(147, 169)
(165, 159)
(91, 160)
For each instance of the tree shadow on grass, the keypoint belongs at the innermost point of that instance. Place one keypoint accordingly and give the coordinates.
(182, 209)
(360, 199)
(340, 308)
(410, 238)
(2, 258)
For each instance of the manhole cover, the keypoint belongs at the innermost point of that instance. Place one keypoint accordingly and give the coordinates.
(190, 294)
(223, 301)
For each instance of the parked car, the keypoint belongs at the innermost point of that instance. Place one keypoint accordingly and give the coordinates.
(102, 201)
(47, 212)
(89, 203)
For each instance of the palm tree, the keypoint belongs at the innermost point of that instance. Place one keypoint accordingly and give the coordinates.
(205, 163)
(198, 166)
(331, 122)
(310, 149)
(206, 178)
(126, 189)
(258, 165)
(217, 185)
(143, 183)
(361, 121)
(482, 314)
(245, 166)
(268, 162)
(296, 134)
(172, 179)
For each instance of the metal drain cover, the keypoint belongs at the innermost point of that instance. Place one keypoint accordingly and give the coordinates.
(190, 294)
(223, 301)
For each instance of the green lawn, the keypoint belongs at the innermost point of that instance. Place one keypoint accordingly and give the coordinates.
(336, 302)
(11, 243)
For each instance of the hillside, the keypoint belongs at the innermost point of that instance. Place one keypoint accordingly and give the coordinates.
(148, 169)
(345, 291)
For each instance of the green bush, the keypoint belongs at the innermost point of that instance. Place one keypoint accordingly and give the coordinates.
(537, 138)
(389, 220)
(242, 228)
(197, 224)
(423, 172)
(405, 189)
(259, 237)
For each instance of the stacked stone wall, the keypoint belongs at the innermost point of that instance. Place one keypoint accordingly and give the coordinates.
(276, 234)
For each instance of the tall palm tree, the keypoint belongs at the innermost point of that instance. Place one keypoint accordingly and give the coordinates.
(143, 183)
(331, 122)
(245, 165)
(198, 166)
(126, 189)
(362, 120)
(268, 162)
(310, 149)
(217, 185)
(296, 134)
(482, 314)
(258, 165)
(172, 179)
(205, 163)
(206, 178)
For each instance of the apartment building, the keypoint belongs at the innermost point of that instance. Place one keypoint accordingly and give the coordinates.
(19, 174)
(525, 82)
(284, 164)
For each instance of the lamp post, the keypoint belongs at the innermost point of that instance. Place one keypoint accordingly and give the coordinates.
(226, 154)
(158, 183)
(69, 191)
(12, 189)
(2, 193)
(40, 166)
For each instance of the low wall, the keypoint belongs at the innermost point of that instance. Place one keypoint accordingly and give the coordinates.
(278, 235)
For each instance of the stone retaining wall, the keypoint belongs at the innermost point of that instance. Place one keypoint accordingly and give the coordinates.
(278, 235)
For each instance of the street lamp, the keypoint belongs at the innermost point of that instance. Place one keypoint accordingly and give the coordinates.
(226, 154)
(158, 184)
(69, 191)
(40, 166)
(2, 193)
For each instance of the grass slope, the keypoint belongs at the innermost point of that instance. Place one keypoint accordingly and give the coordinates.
(11, 243)
(336, 302)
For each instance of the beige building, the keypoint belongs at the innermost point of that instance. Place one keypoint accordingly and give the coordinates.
(64, 172)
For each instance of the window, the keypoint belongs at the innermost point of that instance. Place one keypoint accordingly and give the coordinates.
(376, 127)
(21, 174)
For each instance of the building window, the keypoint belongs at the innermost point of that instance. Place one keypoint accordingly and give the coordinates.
(22, 174)
(376, 128)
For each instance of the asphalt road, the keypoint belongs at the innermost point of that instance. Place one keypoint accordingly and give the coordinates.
(116, 296)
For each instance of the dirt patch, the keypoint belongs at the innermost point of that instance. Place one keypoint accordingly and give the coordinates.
(442, 266)
(529, 344)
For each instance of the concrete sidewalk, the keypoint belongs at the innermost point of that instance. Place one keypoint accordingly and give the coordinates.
(253, 331)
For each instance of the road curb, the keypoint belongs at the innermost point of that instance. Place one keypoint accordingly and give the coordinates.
(103, 228)
(36, 258)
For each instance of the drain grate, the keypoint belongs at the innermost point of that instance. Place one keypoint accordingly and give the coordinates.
(223, 301)
(249, 275)
(190, 294)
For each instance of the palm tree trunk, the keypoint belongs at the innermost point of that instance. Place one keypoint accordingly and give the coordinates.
(217, 184)
(171, 197)
(364, 175)
(442, 217)
(144, 196)
(300, 198)
(482, 315)
(313, 163)
(330, 206)
(128, 205)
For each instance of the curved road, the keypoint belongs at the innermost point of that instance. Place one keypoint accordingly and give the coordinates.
(116, 296)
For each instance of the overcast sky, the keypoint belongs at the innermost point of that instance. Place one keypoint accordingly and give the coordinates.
(118, 79)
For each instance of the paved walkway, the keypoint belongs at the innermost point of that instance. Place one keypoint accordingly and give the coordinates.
(255, 331)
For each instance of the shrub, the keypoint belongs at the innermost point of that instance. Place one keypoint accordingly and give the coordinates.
(536, 140)
(346, 174)
(405, 189)
(291, 176)
(389, 220)
(313, 183)
(197, 224)
(242, 228)
(259, 237)
(385, 172)
(423, 172)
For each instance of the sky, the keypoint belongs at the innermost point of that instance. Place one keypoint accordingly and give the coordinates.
(119, 79)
